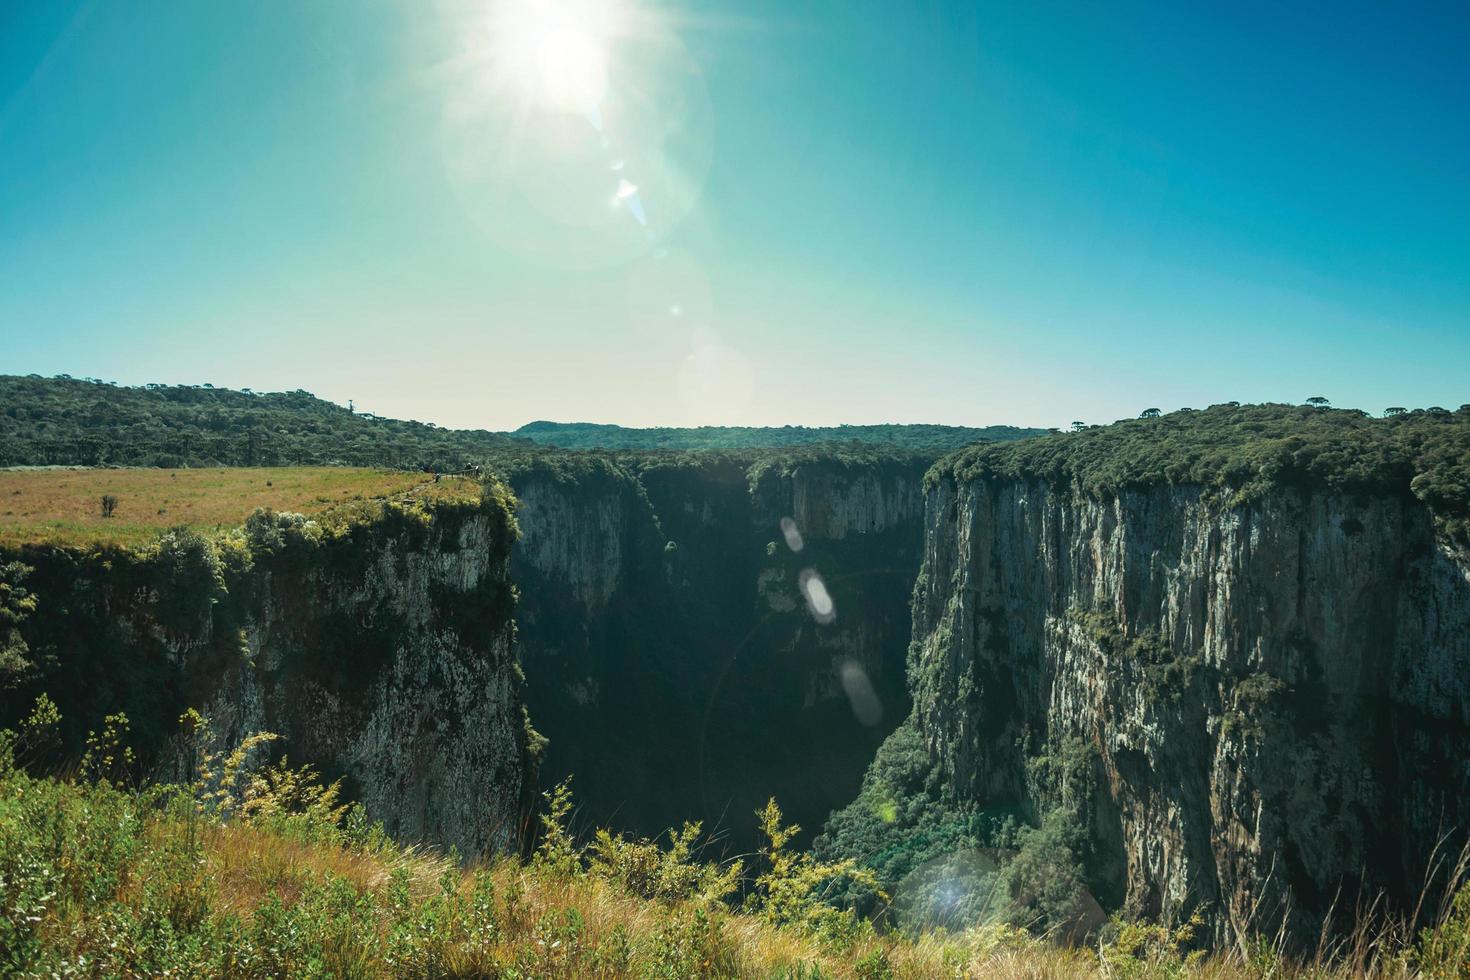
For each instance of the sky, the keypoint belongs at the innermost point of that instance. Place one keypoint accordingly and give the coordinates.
(762, 212)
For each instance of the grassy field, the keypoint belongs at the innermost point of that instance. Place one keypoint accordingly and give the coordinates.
(65, 506)
(99, 879)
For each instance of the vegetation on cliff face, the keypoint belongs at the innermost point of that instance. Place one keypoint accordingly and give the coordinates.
(949, 863)
(152, 624)
(253, 868)
(1241, 451)
(1271, 700)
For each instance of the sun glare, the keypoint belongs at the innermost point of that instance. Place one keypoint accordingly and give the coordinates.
(577, 132)
(556, 51)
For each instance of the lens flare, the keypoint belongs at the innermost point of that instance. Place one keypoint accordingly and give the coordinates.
(577, 133)
(818, 599)
(556, 51)
(792, 534)
(866, 706)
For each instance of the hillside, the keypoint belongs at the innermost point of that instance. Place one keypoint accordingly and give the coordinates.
(69, 422)
(66, 421)
(592, 435)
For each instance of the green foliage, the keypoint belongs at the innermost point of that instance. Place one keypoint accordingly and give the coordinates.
(691, 943)
(642, 868)
(98, 880)
(1167, 674)
(65, 421)
(109, 759)
(1045, 877)
(28, 745)
(1145, 951)
(140, 628)
(49, 421)
(795, 887)
(956, 891)
(196, 572)
(1061, 772)
(1254, 695)
(1239, 452)
(16, 603)
(589, 435)
(903, 820)
(1443, 952)
(559, 853)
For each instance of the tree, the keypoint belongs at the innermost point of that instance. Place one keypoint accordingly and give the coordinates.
(1149, 413)
(1395, 410)
(1318, 401)
(1078, 426)
(16, 603)
(109, 504)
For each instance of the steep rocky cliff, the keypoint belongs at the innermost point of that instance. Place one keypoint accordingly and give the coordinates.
(1253, 695)
(380, 644)
(674, 660)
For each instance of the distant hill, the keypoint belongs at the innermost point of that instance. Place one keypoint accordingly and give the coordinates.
(68, 421)
(64, 421)
(592, 435)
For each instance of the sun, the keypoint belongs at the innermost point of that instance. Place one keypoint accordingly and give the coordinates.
(555, 52)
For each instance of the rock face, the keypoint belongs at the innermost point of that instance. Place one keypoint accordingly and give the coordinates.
(402, 676)
(383, 655)
(673, 659)
(1273, 699)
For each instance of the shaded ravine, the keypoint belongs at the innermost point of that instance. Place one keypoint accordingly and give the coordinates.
(672, 660)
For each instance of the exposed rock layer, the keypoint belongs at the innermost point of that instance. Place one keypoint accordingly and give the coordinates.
(1275, 698)
(384, 656)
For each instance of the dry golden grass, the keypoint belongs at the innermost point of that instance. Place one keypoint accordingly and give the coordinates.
(248, 866)
(64, 506)
(537, 922)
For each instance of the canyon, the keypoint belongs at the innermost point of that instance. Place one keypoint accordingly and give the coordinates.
(1243, 686)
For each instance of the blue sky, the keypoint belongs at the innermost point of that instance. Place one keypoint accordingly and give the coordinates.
(845, 211)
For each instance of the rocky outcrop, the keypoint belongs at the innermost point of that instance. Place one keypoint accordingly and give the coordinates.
(401, 675)
(1273, 699)
(381, 651)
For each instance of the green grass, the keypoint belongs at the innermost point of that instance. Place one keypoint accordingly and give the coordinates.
(63, 507)
(261, 872)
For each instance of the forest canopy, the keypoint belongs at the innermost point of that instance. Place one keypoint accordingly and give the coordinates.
(590, 435)
(1243, 450)
(66, 421)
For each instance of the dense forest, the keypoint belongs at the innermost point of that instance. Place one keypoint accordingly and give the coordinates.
(65, 421)
(1241, 450)
(591, 435)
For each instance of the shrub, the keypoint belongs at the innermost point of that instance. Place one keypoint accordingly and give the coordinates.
(1443, 953)
(1045, 876)
(16, 604)
(1143, 951)
(642, 868)
(795, 887)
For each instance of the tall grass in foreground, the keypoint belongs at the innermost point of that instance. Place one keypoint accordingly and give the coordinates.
(259, 871)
